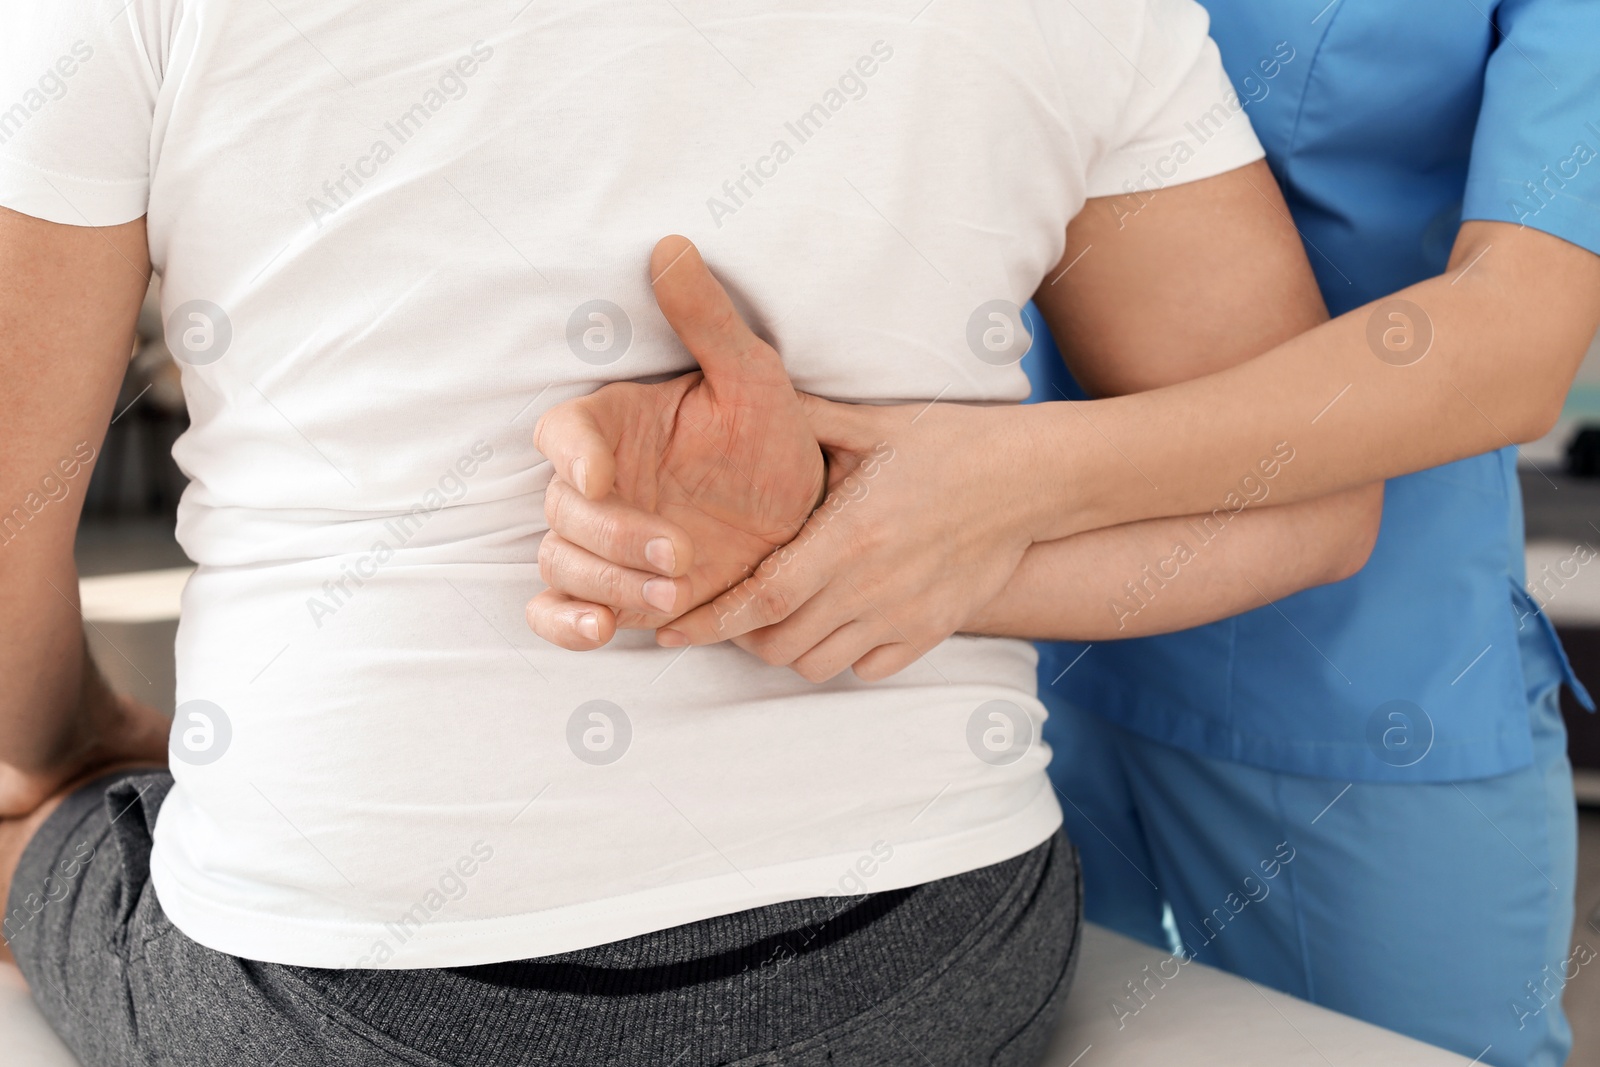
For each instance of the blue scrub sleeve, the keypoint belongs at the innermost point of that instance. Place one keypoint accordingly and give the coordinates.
(1536, 150)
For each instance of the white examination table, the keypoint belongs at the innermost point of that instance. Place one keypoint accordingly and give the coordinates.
(1200, 1018)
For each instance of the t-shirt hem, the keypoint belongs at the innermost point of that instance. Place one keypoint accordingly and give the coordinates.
(352, 945)
(1144, 168)
(69, 200)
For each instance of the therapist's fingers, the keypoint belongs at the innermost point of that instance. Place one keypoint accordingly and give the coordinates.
(846, 427)
(579, 438)
(835, 653)
(835, 607)
(570, 623)
(885, 660)
(813, 644)
(782, 583)
(616, 530)
(579, 573)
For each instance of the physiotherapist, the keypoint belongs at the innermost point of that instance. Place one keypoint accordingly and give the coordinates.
(1360, 794)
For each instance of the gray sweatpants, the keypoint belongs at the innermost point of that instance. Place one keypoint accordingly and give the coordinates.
(960, 972)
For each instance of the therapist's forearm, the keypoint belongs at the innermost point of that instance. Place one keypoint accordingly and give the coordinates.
(1164, 575)
(1511, 322)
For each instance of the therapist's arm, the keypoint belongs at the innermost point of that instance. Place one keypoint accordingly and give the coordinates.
(1510, 321)
(68, 299)
(1511, 318)
(934, 507)
(1203, 278)
(1198, 281)
(1165, 575)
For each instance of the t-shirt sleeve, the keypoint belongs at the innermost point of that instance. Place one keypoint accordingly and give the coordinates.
(1182, 121)
(78, 84)
(1536, 151)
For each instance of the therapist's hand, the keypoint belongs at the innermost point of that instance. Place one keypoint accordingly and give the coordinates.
(928, 515)
(667, 494)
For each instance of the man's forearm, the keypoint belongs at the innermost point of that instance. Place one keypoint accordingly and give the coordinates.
(1509, 324)
(1163, 575)
(68, 300)
(44, 665)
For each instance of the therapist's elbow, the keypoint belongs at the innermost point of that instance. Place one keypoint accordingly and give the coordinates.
(1527, 405)
(1527, 395)
(1538, 415)
(1362, 514)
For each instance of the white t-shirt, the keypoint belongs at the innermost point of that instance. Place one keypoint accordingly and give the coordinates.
(388, 241)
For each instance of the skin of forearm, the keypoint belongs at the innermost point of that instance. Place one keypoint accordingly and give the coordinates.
(47, 676)
(68, 300)
(1164, 575)
(1204, 278)
(1510, 320)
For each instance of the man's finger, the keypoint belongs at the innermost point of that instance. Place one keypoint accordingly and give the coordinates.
(579, 573)
(616, 530)
(699, 311)
(568, 623)
(579, 445)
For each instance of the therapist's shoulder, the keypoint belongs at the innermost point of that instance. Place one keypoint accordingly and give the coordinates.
(1536, 148)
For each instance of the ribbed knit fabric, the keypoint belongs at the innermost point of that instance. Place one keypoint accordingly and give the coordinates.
(964, 970)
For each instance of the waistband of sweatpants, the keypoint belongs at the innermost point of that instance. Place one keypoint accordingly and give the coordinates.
(779, 994)
(797, 969)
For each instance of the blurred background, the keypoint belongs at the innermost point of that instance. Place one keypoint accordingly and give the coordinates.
(133, 571)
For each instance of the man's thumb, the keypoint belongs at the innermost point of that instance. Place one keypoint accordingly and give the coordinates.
(699, 311)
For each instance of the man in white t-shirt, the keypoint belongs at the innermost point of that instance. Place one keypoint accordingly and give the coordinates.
(398, 826)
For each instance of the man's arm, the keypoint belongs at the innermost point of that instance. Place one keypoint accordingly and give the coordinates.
(68, 300)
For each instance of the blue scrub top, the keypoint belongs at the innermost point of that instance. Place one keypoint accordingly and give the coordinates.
(1387, 125)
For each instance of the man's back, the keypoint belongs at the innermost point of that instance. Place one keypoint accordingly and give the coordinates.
(387, 245)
